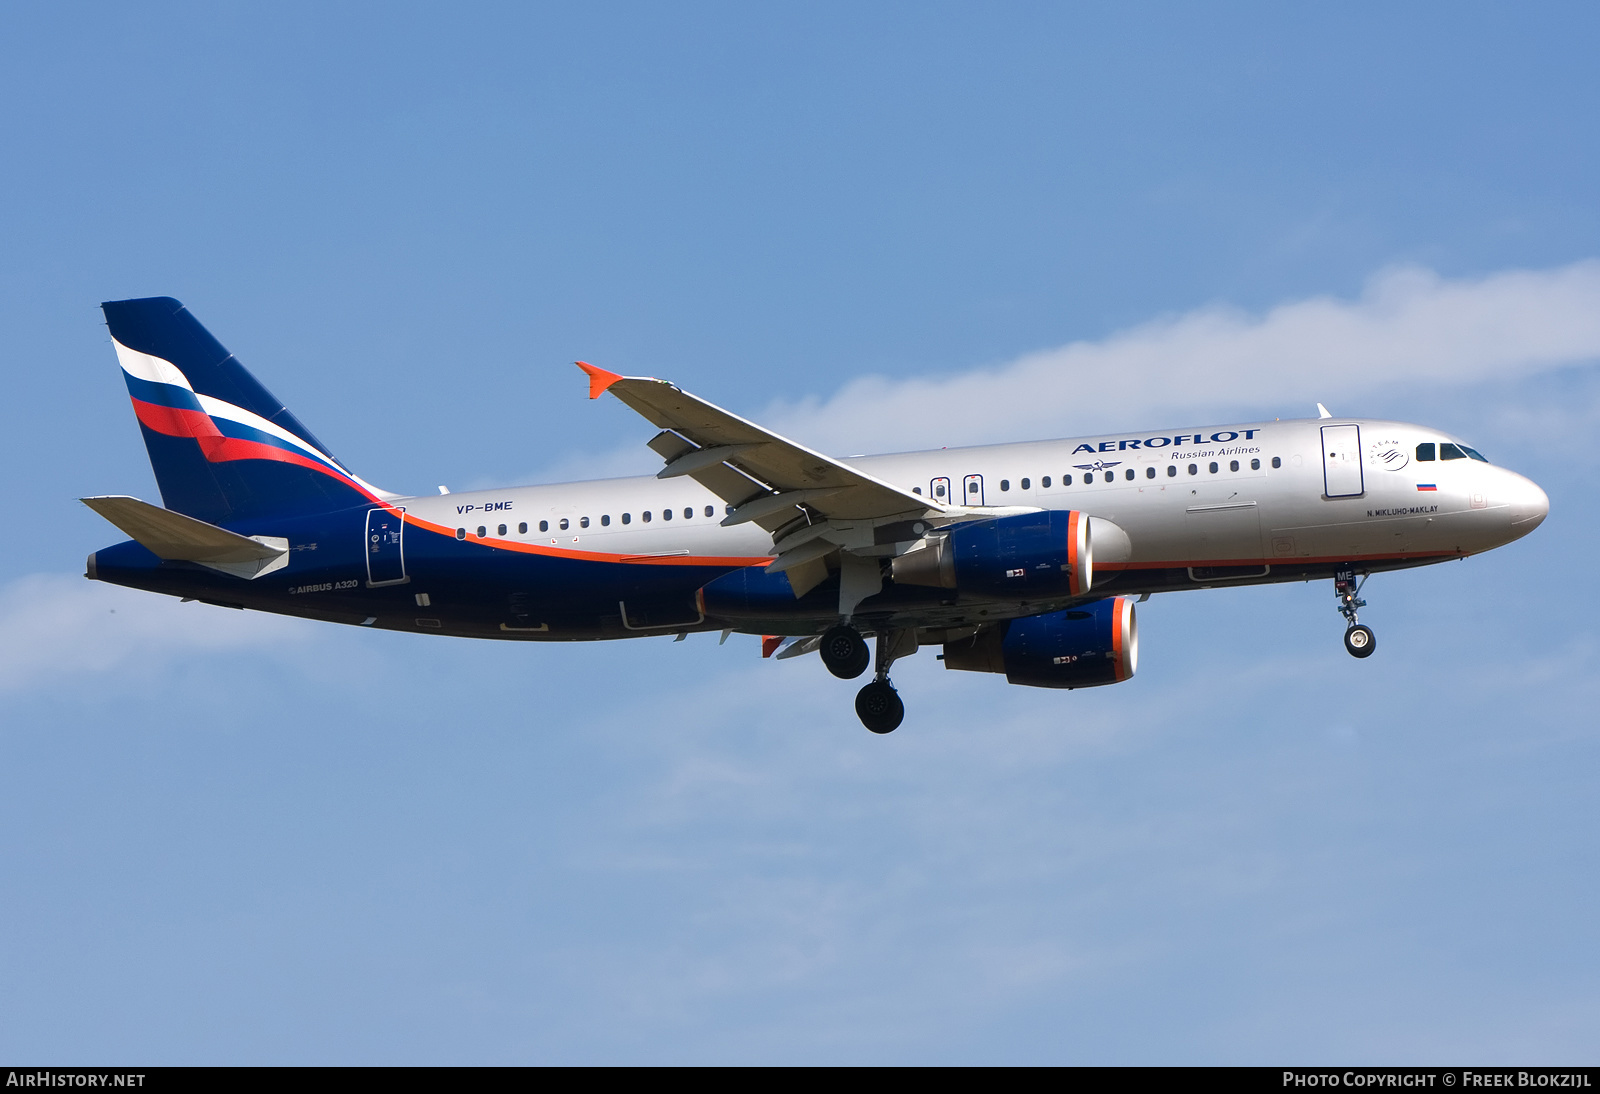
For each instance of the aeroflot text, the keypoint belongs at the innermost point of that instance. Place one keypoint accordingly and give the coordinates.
(1220, 437)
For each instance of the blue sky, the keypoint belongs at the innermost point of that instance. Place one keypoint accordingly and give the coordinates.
(235, 838)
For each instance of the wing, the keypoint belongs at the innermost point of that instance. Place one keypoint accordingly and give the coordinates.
(812, 504)
(766, 478)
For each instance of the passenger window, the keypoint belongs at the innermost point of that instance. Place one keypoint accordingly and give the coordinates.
(522, 529)
(544, 526)
(1194, 469)
(1451, 452)
(565, 524)
(1005, 484)
(605, 520)
(1277, 462)
(687, 513)
(1026, 483)
(1149, 472)
(1066, 480)
(1213, 468)
(917, 490)
(1110, 476)
(502, 530)
(666, 514)
(711, 510)
(1044, 483)
(938, 491)
(1233, 465)
(645, 516)
(1172, 470)
(1255, 465)
(461, 533)
(627, 518)
(583, 522)
(1128, 474)
(482, 531)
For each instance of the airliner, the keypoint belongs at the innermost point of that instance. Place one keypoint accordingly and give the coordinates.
(1024, 560)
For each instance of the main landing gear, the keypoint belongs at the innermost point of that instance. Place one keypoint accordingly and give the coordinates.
(878, 705)
(845, 653)
(1359, 640)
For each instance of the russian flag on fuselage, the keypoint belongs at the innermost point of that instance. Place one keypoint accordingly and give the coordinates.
(222, 447)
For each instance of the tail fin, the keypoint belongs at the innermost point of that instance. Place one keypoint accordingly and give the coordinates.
(222, 447)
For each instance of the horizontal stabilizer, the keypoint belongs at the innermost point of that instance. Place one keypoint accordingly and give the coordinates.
(177, 538)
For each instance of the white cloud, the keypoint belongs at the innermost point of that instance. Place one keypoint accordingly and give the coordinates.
(1408, 326)
(53, 625)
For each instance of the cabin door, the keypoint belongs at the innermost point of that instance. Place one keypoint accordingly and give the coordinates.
(939, 491)
(386, 557)
(1341, 461)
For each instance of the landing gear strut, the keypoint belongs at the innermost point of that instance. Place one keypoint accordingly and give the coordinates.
(844, 651)
(878, 705)
(1359, 640)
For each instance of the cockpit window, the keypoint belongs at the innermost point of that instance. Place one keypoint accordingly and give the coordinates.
(1451, 452)
(1425, 452)
(1474, 454)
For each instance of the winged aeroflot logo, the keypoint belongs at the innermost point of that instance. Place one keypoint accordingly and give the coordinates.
(1097, 465)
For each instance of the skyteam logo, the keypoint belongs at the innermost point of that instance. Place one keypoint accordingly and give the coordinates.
(1388, 454)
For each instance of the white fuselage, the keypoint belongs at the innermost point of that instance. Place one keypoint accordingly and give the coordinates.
(1264, 491)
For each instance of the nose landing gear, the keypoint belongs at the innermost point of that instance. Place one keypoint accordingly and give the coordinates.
(1359, 641)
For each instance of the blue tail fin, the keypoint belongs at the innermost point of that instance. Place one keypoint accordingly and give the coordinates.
(223, 448)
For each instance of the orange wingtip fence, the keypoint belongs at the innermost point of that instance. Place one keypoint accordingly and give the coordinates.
(599, 378)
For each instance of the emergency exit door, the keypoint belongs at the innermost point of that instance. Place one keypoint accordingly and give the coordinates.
(939, 491)
(1341, 461)
(972, 490)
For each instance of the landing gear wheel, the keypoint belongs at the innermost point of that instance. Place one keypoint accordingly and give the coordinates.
(845, 652)
(879, 707)
(1360, 641)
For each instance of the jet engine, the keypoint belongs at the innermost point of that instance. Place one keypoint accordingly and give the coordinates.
(1082, 647)
(1026, 555)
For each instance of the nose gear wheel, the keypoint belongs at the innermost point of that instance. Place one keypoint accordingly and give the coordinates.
(1359, 641)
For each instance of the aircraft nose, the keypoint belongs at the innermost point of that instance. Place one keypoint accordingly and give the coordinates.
(1529, 505)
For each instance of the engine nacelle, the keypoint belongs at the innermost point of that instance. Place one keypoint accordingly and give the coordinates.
(1026, 555)
(1082, 647)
